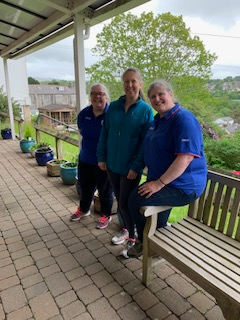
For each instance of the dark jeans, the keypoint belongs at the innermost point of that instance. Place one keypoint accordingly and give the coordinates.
(167, 196)
(122, 188)
(90, 178)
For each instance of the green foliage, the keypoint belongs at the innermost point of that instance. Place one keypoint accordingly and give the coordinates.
(160, 46)
(224, 153)
(4, 106)
(32, 81)
(27, 131)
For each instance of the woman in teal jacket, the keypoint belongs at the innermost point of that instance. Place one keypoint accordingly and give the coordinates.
(119, 149)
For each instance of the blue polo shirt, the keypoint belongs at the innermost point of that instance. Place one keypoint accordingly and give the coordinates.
(178, 132)
(90, 129)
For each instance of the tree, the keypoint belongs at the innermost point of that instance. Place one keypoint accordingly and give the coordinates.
(32, 81)
(160, 46)
(4, 105)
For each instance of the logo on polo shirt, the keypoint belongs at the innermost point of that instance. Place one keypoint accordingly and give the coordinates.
(185, 140)
(88, 118)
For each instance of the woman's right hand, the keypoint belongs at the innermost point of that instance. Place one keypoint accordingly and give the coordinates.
(102, 165)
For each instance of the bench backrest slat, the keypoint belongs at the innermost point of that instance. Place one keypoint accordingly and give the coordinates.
(219, 205)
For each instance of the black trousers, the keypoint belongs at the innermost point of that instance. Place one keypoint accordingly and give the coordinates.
(90, 178)
(122, 188)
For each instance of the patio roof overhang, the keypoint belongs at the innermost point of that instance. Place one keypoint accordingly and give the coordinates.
(27, 26)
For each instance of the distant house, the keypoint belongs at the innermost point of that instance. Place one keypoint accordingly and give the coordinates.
(227, 123)
(59, 112)
(44, 95)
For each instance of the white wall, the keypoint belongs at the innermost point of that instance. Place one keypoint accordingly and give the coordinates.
(18, 80)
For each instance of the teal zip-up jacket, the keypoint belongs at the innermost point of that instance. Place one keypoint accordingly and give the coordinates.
(122, 134)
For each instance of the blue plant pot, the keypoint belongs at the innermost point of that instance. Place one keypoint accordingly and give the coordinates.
(6, 133)
(68, 174)
(43, 157)
(25, 145)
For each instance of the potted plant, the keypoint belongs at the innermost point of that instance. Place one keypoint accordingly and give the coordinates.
(68, 171)
(43, 153)
(53, 167)
(27, 141)
(6, 133)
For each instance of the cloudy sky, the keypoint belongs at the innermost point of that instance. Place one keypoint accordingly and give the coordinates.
(217, 23)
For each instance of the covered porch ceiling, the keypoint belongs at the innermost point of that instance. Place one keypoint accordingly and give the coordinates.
(29, 25)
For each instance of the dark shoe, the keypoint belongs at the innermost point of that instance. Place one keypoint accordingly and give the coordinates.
(137, 250)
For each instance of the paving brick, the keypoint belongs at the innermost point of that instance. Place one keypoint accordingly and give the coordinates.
(13, 298)
(145, 298)
(103, 251)
(2, 314)
(85, 257)
(4, 254)
(131, 311)
(133, 286)
(43, 307)
(25, 227)
(7, 271)
(181, 285)
(27, 272)
(53, 243)
(159, 311)
(74, 245)
(123, 276)
(31, 280)
(111, 263)
(23, 262)
(157, 285)
(43, 263)
(163, 270)
(120, 300)
(102, 310)
(66, 298)
(14, 247)
(89, 294)
(192, 314)
(215, 314)
(34, 238)
(36, 246)
(72, 310)
(20, 314)
(111, 289)
(81, 282)
(67, 262)
(36, 290)
(57, 284)
(14, 239)
(173, 301)
(20, 254)
(5, 262)
(9, 282)
(94, 268)
(59, 250)
(201, 302)
(75, 273)
(45, 272)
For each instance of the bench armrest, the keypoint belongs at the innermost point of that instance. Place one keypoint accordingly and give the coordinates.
(148, 211)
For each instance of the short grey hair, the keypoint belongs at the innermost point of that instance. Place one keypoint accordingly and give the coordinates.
(104, 89)
(160, 83)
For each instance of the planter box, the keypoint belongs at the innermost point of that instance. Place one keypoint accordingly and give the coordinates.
(53, 168)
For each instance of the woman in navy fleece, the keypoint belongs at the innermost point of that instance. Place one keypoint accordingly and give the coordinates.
(90, 176)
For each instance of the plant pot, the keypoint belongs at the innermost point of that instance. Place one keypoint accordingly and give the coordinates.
(42, 157)
(53, 168)
(25, 145)
(6, 133)
(32, 153)
(68, 174)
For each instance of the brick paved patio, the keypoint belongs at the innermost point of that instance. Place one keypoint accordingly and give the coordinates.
(51, 268)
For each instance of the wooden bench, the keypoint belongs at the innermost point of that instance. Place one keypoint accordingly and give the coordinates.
(205, 245)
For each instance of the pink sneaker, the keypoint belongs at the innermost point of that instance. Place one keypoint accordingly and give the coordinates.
(78, 214)
(103, 222)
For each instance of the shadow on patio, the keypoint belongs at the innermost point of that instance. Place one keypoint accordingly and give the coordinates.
(51, 268)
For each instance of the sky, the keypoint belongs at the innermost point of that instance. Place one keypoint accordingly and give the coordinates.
(217, 23)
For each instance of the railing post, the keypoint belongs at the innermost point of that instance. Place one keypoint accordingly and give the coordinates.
(58, 148)
(20, 129)
(38, 136)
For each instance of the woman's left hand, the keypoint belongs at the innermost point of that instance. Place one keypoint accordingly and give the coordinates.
(132, 175)
(149, 188)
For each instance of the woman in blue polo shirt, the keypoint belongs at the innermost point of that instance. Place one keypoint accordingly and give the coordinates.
(90, 176)
(174, 156)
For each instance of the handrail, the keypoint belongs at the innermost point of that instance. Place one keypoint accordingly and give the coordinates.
(58, 135)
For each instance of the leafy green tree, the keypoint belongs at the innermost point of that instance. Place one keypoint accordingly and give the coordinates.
(160, 46)
(4, 105)
(32, 81)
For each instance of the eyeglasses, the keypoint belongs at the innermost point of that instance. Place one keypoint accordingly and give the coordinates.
(100, 94)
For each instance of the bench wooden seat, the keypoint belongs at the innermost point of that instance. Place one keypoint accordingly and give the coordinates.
(205, 245)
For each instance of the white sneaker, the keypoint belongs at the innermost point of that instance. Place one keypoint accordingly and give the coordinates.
(121, 237)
